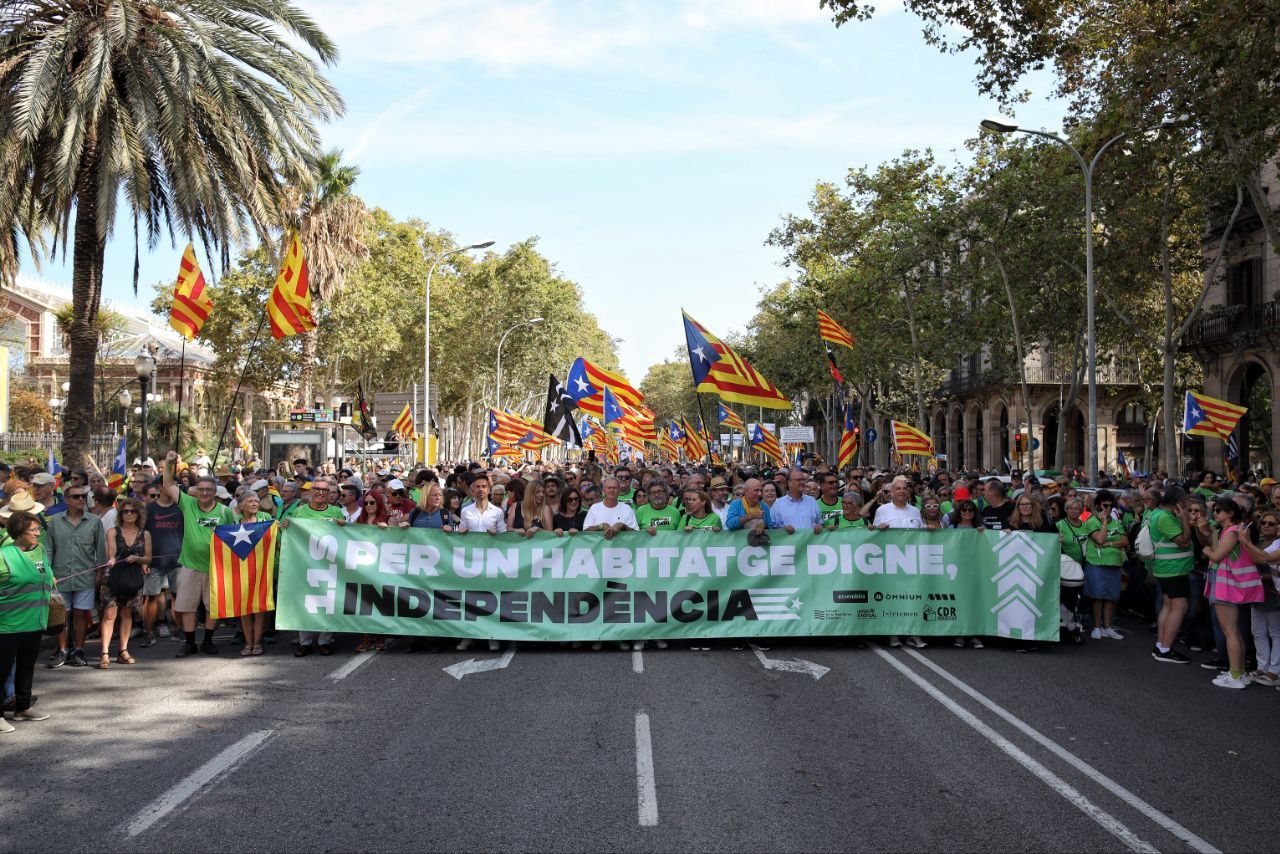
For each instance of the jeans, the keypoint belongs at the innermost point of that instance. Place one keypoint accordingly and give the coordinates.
(8, 682)
(309, 638)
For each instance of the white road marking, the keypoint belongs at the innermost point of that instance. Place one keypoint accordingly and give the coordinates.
(637, 661)
(1053, 781)
(1071, 759)
(182, 794)
(351, 667)
(791, 665)
(646, 787)
(471, 665)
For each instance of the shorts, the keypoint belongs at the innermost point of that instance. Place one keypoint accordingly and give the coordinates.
(1175, 586)
(155, 583)
(193, 588)
(79, 600)
(1102, 582)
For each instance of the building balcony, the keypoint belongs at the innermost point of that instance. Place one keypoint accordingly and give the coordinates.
(958, 384)
(1234, 327)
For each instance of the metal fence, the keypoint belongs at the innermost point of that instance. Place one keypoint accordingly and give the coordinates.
(102, 446)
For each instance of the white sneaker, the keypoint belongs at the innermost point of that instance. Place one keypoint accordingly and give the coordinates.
(976, 643)
(915, 643)
(1097, 634)
(1109, 632)
(5, 726)
(660, 644)
(1226, 680)
(623, 645)
(638, 645)
(464, 645)
(494, 646)
(895, 641)
(163, 631)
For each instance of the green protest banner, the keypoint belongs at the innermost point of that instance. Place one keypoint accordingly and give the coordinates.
(363, 579)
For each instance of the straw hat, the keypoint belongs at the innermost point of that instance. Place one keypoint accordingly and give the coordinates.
(21, 502)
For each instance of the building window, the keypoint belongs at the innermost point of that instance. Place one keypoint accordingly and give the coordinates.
(1244, 283)
(1132, 414)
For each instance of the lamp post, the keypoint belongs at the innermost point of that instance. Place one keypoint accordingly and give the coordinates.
(126, 400)
(533, 321)
(145, 365)
(1091, 338)
(426, 341)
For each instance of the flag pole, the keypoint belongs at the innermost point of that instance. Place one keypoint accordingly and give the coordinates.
(703, 415)
(226, 422)
(182, 369)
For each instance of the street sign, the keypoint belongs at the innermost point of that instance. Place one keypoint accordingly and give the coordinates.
(797, 435)
(871, 435)
(737, 440)
(1035, 443)
(309, 416)
(724, 440)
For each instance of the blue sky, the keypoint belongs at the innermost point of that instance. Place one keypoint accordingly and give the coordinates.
(651, 146)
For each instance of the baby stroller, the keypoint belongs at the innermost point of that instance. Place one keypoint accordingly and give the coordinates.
(1071, 582)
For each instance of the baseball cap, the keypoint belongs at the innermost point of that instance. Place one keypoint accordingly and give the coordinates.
(259, 484)
(395, 484)
(43, 478)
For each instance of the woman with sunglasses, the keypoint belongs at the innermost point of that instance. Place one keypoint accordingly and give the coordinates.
(570, 514)
(128, 542)
(373, 510)
(1235, 582)
(964, 514)
(249, 511)
(931, 512)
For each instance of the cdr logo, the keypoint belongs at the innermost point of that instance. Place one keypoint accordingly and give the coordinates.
(938, 614)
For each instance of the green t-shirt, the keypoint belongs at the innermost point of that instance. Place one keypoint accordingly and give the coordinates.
(830, 512)
(1073, 539)
(1206, 493)
(628, 497)
(26, 582)
(851, 523)
(667, 518)
(305, 511)
(706, 523)
(1106, 555)
(197, 530)
(1165, 527)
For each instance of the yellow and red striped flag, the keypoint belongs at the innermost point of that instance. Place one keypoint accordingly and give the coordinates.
(1207, 416)
(667, 446)
(191, 304)
(728, 418)
(403, 425)
(289, 307)
(909, 440)
(831, 331)
(695, 446)
(718, 368)
(848, 441)
(766, 443)
(243, 440)
(241, 567)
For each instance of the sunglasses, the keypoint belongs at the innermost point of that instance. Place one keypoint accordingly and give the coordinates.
(124, 510)
(968, 511)
(931, 507)
(75, 495)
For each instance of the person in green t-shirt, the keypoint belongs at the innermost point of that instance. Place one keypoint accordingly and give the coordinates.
(627, 495)
(201, 513)
(829, 502)
(697, 515)
(317, 507)
(1081, 540)
(851, 511)
(1208, 488)
(658, 514)
(1169, 525)
(26, 583)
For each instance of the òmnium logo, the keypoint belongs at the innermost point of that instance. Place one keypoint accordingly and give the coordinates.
(900, 597)
(850, 597)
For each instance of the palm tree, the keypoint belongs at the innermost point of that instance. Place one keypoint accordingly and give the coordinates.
(331, 223)
(198, 114)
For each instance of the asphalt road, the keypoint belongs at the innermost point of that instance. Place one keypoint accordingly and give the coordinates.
(1093, 748)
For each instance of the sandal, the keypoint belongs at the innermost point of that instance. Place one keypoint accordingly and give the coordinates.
(105, 662)
(257, 650)
(246, 650)
(124, 657)
(380, 646)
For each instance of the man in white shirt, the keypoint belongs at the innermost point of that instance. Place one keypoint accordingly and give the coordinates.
(350, 502)
(610, 515)
(480, 515)
(900, 513)
(720, 499)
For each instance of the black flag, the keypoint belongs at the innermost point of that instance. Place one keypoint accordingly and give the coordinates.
(557, 416)
(360, 418)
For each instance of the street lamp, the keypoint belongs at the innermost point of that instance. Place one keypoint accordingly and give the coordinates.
(126, 400)
(145, 365)
(996, 125)
(533, 321)
(426, 342)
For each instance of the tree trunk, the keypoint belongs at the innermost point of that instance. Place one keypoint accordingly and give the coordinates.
(1077, 379)
(86, 297)
(468, 428)
(308, 367)
(1022, 360)
(915, 362)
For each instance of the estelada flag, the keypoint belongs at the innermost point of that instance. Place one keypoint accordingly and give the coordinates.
(289, 307)
(191, 302)
(831, 331)
(766, 443)
(728, 418)
(1207, 416)
(848, 441)
(586, 384)
(909, 440)
(119, 466)
(717, 368)
(242, 559)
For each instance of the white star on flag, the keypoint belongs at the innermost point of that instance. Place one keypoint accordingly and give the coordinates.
(241, 535)
(582, 384)
(701, 355)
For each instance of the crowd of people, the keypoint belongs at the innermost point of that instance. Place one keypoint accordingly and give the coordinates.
(1192, 558)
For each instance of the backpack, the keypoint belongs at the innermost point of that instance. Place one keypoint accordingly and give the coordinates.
(1145, 545)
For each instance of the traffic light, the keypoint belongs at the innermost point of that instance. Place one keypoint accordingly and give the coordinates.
(1017, 442)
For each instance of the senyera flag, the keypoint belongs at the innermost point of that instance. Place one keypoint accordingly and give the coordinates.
(403, 425)
(908, 440)
(242, 439)
(717, 368)
(191, 302)
(242, 560)
(289, 308)
(1207, 416)
(831, 331)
